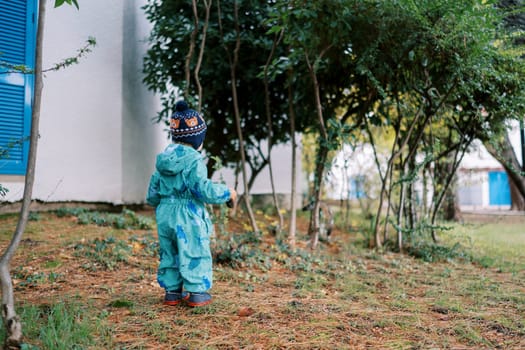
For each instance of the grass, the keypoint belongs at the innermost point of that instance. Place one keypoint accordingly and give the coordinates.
(91, 285)
(496, 245)
(64, 325)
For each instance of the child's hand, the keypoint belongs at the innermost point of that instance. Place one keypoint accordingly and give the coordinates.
(233, 195)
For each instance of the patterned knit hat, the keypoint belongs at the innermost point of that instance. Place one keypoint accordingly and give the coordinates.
(187, 125)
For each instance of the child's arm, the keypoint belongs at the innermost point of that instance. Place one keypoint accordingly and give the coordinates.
(205, 189)
(153, 197)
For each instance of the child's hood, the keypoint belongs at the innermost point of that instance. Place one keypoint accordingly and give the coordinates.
(175, 159)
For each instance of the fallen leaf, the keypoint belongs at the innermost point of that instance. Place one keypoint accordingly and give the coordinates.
(245, 311)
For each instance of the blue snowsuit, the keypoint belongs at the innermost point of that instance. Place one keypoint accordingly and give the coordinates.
(179, 189)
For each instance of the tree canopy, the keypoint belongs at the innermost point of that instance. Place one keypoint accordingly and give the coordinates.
(433, 72)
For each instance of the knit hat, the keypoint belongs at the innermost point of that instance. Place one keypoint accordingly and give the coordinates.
(187, 125)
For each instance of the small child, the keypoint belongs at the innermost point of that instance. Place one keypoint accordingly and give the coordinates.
(179, 189)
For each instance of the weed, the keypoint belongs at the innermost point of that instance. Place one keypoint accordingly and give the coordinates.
(240, 250)
(135, 277)
(121, 303)
(444, 305)
(159, 330)
(179, 322)
(52, 264)
(34, 216)
(295, 306)
(311, 282)
(55, 277)
(27, 277)
(148, 245)
(446, 272)
(106, 253)
(205, 310)
(470, 335)
(125, 220)
(59, 326)
(65, 212)
(431, 252)
(402, 304)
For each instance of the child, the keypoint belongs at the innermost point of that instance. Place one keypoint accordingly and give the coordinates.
(178, 190)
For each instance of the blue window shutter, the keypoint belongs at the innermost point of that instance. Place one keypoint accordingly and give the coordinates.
(17, 46)
(499, 188)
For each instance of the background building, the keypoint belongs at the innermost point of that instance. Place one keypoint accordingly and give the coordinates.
(98, 139)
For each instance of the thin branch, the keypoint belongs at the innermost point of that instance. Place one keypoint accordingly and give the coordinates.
(207, 4)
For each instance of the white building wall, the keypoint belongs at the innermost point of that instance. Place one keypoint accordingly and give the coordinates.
(97, 138)
(282, 172)
(142, 137)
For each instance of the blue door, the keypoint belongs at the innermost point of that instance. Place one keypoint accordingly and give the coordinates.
(357, 187)
(17, 47)
(499, 188)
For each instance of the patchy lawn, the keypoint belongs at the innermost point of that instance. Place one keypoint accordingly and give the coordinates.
(266, 296)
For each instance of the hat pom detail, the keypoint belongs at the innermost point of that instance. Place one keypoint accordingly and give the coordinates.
(181, 106)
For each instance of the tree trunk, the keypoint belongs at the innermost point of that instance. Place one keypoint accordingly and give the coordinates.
(446, 175)
(517, 200)
(503, 152)
(412, 215)
(400, 212)
(516, 20)
(189, 55)
(207, 4)
(451, 211)
(233, 68)
(12, 321)
(270, 130)
(322, 156)
(293, 213)
(314, 227)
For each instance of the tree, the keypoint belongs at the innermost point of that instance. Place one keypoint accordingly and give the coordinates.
(164, 68)
(348, 67)
(235, 49)
(514, 21)
(317, 35)
(293, 212)
(11, 320)
(269, 121)
(233, 60)
(426, 60)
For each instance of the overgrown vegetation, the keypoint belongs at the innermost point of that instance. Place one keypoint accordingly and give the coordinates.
(108, 253)
(417, 82)
(63, 325)
(93, 286)
(128, 219)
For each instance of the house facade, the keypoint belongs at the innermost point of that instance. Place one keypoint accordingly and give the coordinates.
(482, 181)
(98, 138)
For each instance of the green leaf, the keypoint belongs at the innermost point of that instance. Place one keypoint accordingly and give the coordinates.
(59, 3)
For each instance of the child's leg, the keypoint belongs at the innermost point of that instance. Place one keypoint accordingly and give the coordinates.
(168, 274)
(197, 274)
(198, 279)
(195, 260)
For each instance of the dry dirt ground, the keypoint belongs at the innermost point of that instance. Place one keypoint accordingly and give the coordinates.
(339, 297)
